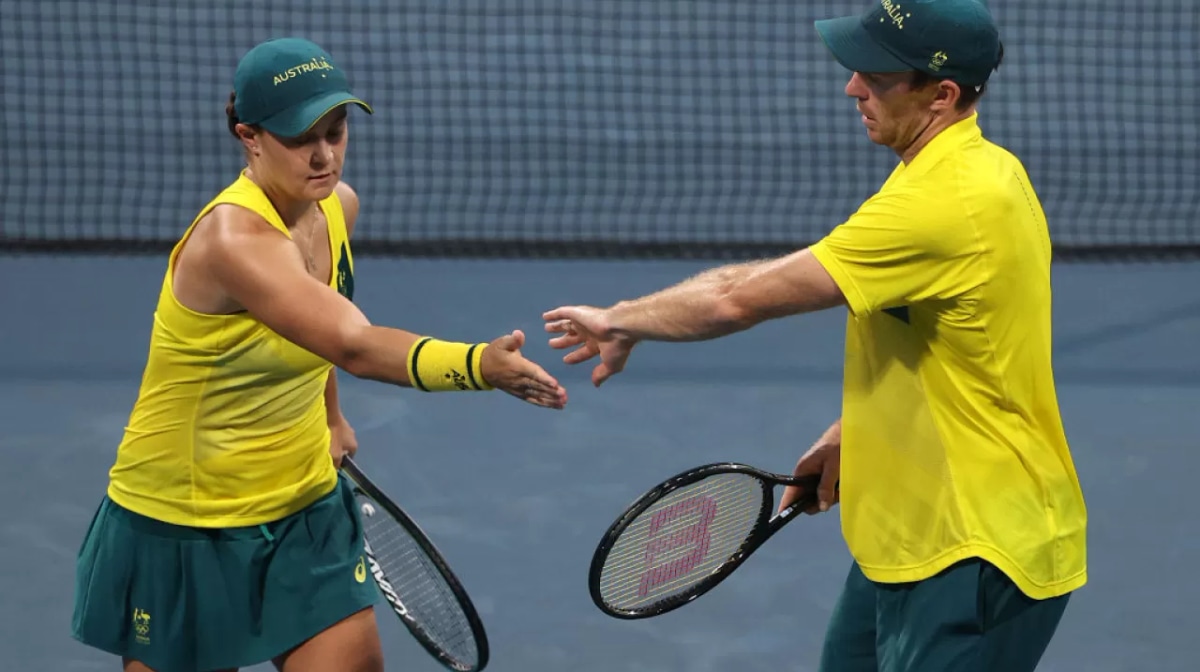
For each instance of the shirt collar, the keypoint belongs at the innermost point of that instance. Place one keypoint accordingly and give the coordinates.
(949, 139)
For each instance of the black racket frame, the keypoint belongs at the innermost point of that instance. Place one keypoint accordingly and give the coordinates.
(764, 527)
(368, 487)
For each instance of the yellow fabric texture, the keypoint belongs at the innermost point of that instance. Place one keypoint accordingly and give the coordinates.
(952, 442)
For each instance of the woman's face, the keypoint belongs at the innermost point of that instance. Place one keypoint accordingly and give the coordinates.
(304, 168)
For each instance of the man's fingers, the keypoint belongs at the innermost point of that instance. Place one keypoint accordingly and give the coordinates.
(563, 314)
(790, 494)
(827, 493)
(601, 373)
(560, 326)
(830, 473)
(582, 354)
(566, 341)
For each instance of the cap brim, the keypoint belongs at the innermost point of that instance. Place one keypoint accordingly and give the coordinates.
(295, 121)
(853, 47)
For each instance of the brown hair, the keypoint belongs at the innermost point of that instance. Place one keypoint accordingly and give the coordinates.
(970, 94)
(231, 115)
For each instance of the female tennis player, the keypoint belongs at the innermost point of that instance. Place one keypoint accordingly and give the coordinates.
(227, 537)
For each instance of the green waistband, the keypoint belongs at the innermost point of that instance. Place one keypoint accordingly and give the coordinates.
(147, 525)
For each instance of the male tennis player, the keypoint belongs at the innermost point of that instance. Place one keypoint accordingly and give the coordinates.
(960, 502)
(227, 537)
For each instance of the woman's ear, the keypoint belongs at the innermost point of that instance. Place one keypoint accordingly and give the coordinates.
(249, 137)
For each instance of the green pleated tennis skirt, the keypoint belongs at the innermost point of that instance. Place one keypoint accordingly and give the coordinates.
(185, 599)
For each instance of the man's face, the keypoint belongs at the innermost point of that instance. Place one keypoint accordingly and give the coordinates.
(893, 111)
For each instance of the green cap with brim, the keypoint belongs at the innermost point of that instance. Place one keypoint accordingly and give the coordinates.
(286, 85)
(950, 39)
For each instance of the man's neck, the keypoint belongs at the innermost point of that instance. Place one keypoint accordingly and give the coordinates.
(936, 125)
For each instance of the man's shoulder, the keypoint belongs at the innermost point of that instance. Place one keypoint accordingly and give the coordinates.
(999, 154)
(906, 192)
(975, 170)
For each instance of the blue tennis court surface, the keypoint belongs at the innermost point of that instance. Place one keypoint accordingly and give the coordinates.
(517, 497)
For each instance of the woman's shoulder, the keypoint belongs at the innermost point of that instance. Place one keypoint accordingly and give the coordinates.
(349, 201)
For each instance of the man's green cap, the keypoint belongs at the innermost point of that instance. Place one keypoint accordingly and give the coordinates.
(948, 39)
(286, 85)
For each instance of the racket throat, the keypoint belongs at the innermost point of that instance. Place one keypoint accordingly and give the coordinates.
(385, 586)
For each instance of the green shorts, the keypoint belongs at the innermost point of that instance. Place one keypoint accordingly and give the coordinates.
(185, 599)
(969, 618)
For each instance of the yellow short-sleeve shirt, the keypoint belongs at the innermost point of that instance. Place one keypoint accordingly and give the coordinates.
(952, 441)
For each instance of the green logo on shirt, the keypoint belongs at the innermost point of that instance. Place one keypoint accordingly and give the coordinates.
(899, 312)
(345, 274)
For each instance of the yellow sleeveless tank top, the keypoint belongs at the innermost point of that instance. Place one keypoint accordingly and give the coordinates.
(229, 426)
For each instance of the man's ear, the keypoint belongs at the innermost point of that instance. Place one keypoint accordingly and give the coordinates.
(946, 97)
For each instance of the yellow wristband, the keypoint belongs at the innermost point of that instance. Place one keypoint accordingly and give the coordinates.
(441, 366)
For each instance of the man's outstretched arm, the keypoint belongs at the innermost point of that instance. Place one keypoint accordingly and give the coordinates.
(728, 299)
(715, 303)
